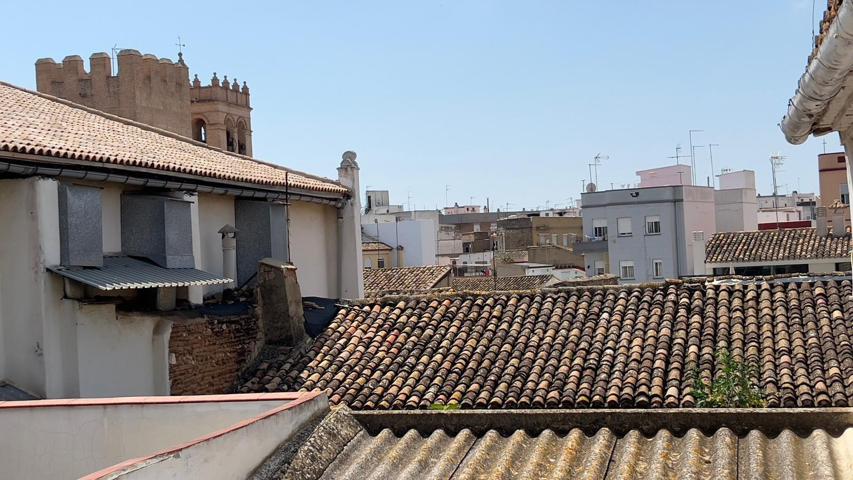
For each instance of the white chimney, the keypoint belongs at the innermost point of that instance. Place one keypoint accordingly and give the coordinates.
(229, 253)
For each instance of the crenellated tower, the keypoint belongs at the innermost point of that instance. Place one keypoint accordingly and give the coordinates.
(157, 92)
(145, 89)
(221, 114)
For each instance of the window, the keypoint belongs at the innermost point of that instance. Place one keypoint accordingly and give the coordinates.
(200, 130)
(544, 239)
(565, 239)
(600, 267)
(623, 227)
(554, 240)
(599, 228)
(380, 263)
(657, 268)
(653, 225)
(626, 269)
(368, 263)
(844, 194)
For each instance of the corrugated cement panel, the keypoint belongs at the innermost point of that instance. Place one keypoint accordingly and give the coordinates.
(128, 273)
(602, 456)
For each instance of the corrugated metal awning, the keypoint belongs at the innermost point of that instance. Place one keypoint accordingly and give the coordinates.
(122, 273)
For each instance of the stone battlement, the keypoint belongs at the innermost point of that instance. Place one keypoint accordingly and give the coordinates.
(225, 91)
(145, 88)
(155, 91)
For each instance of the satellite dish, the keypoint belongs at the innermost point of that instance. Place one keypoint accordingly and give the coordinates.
(590, 187)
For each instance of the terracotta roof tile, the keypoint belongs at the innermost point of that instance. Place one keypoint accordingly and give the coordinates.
(518, 282)
(623, 346)
(38, 124)
(770, 245)
(375, 246)
(405, 279)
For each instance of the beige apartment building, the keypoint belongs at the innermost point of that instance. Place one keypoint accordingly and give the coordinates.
(832, 171)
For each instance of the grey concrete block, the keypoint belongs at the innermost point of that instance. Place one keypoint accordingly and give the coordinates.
(262, 234)
(80, 226)
(158, 228)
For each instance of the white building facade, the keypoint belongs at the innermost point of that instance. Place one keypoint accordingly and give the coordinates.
(96, 251)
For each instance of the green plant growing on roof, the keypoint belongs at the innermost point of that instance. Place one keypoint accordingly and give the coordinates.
(733, 387)
(444, 408)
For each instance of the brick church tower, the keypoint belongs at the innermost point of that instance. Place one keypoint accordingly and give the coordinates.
(157, 92)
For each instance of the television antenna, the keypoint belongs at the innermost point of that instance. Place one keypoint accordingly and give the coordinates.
(678, 156)
(596, 162)
(776, 161)
(693, 153)
(711, 156)
(114, 57)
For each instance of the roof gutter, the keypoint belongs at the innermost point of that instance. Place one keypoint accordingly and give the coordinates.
(823, 79)
(151, 182)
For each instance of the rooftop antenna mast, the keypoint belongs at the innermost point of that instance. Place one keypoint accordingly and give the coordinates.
(678, 156)
(114, 57)
(596, 162)
(776, 161)
(711, 155)
(692, 154)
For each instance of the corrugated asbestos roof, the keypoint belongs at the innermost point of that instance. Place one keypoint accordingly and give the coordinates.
(127, 273)
(342, 448)
(601, 456)
(38, 124)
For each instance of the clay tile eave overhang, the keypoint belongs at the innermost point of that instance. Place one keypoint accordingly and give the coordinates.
(53, 130)
(822, 101)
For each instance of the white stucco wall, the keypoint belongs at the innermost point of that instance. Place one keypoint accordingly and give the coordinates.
(234, 455)
(418, 238)
(72, 441)
(54, 347)
(214, 212)
(313, 248)
(117, 354)
(21, 259)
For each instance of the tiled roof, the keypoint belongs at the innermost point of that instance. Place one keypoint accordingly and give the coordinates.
(405, 279)
(38, 124)
(770, 245)
(518, 282)
(624, 346)
(829, 15)
(375, 247)
(340, 447)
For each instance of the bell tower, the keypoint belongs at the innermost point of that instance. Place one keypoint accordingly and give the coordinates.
(221, 114)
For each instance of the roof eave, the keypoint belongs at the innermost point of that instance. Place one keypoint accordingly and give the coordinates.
(179, 177)
(822, 81)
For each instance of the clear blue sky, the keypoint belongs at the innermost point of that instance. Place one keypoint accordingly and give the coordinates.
(507, 100)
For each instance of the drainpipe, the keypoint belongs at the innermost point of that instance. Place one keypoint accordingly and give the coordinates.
(340, 251)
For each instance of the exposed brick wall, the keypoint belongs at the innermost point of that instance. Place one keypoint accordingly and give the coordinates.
(207, 354)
